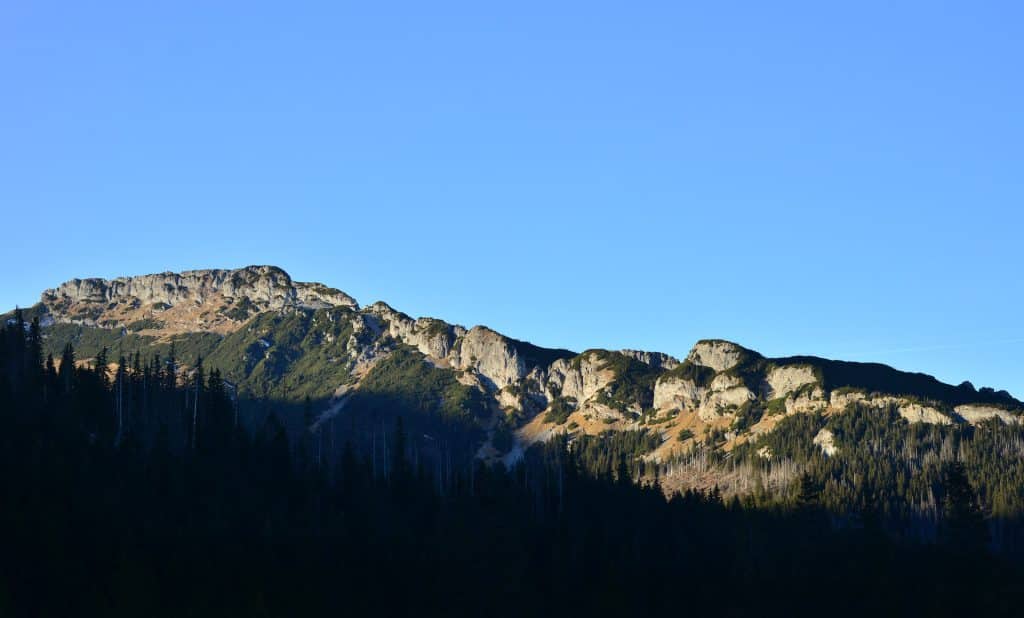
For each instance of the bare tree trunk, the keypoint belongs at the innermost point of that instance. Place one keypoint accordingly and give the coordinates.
(195, 416)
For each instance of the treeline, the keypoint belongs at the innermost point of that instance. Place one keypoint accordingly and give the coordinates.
(897, 472)
(135, 492)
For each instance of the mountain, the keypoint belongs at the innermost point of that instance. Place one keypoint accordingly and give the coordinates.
(286, 342)
(232, 442)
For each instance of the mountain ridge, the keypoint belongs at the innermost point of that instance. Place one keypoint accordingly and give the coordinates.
(290, 340)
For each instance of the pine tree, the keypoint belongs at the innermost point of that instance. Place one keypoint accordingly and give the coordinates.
(67, 369)
(808, 494)
(171, 371)
(34, 376)
(622, 476)
(963, 524)
(100, 367)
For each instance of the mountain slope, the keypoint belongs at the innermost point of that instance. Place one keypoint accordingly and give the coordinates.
(284, 342)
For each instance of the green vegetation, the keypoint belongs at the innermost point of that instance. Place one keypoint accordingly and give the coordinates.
(747, 415)
(522, 388)
(684, 435)
(241, 310)
(88, 341)
(847, 390)
(633, 385)
(698, 374)
(27, 314)
(888, 464)
(750, 371)
(602, 454)
(775, 406)
(404, 381)
(145, 324)
(436, 328)
(288, 355)
(536, 356)
(559, 410)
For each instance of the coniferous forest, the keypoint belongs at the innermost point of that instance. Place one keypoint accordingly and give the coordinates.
(139, 492)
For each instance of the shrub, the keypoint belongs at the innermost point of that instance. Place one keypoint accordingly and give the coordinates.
(559, 410)
(775, 406)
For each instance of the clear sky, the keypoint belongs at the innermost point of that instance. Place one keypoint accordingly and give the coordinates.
(838, 179)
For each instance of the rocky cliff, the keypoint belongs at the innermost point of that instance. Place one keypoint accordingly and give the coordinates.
(196, 300)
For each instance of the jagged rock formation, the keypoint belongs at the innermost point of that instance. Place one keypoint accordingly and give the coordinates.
(279, 338)
(658, 360)
(213, 300)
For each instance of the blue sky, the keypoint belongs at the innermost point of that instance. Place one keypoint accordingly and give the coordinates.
(839, 179)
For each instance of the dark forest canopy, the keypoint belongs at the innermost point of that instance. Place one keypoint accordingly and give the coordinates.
(139, 492)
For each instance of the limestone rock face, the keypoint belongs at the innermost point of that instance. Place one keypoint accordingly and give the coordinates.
(492, 357)
(116, 301)
(839, 400)
(319, 296)
(399, 325)
(917, 413)
(912, 411)
(788, 378)
(490, 354)
(719, 355)
(657, 360)
(432, 337)
(807, 401)
(826, 440)
(259, 284)
(579, 380)
(726, 393)
(678, 393)
(975, 414)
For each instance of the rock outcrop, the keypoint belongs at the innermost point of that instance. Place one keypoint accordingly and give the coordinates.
(672, 393)
(581, 379)
(826, 441)
(196, 299)
(265, 285)
(975, 414)
(785, 379)
(432, 337)
(489, 354)
(656, 360)
(716, 354)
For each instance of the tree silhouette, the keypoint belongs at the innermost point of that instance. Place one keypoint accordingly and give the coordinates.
(963, 524)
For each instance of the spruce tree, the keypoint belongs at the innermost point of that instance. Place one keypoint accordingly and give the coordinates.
(808, 493)
(963, 525)
(67, 368)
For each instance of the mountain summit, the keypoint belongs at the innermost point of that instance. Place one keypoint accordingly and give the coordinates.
(191, 301)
